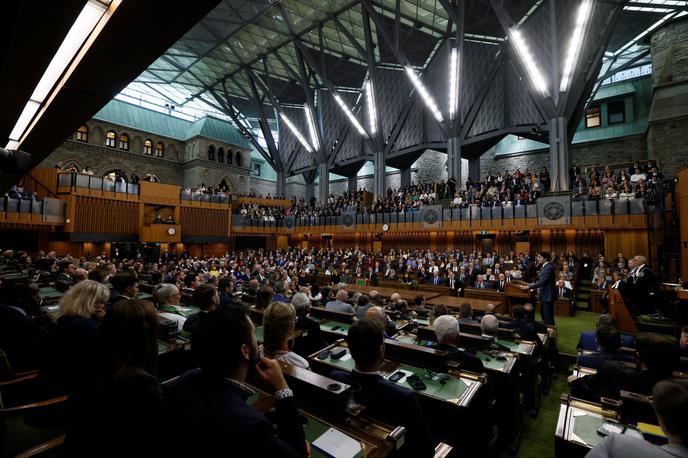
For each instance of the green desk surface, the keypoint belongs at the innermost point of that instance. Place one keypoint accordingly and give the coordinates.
(405, 338)
(490, 362)
(259, 334)
(190, 310)
(423, 321)
(144, 296)
(162, 347)
(585, 427)
(48, 293)
(516, 347)
(314, 429)
(347, 364)
(328, 325)
(451, 391)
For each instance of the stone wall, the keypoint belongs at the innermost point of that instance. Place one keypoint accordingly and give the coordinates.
(262, 186)
(617, 150)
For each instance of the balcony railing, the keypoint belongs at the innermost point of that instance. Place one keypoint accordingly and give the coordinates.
(50, 210)
(81, 180)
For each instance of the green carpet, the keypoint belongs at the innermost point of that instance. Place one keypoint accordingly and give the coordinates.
(570, 327)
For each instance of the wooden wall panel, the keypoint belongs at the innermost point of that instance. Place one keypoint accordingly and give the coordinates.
(200, 222)
(682, 203)
(628, 242)
(94, 215)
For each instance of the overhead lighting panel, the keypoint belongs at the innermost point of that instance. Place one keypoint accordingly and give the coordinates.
(528, 61)
(296, 132)
(453, 82)
(575, 44)
(350, 115)
(425, 95)
(89, 23)
(372, 112)
(311, 127)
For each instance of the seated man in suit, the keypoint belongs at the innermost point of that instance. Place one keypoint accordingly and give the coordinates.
(489, 324)
(608, 343)
(384, 400)
(587, 339)
(657, 357)
(670, 400)
(207, 299)
(339, 305)
(466, 312)
(380, 316)
(480, 283)
(311, 340)
(124, 286)
(525, 328)
(214, 395)
(447, 332)
(500, 284)
(22, 334)
(363, 304)
(563, 291)
(453, 283)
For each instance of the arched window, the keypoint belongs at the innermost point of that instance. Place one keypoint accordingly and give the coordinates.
(124, 142)
(148, 147)
(110, 138)
(211, 153)
(159, 149)
(238, 159)
(220, 155)
(230, 157)
(82, 134)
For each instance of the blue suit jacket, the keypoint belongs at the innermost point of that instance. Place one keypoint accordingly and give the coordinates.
(587, 341)
(395, 405)
(546, 283)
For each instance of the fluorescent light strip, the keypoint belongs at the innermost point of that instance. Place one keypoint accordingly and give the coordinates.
(296, 132)
(311, 127)
(87, 21)
(372, 113)
(453, 82)
(528, 61)
(576, 41)
(426, 96)
(350, 115)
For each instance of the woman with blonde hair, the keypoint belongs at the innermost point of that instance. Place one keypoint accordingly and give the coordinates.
(279, 320)
(72, 344)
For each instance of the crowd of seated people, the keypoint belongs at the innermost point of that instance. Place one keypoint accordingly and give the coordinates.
(18, 192)
(637, 182)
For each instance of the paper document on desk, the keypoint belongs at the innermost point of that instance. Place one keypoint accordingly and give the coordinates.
(336, 444)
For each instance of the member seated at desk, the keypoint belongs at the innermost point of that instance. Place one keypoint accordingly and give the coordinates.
(278, 326)
(437, 311)
(339, 304)
(563, 291)
(264, 297)
(588, 341)
(657, 359)
(206, 299)
(226, 349)
(384, 400)
(280, 289)
(167, 298)
(466, 312)
(22, 329)
(447, 332)
(311, 340)
(363, 304)
(481, 283)
(526, 329)
(125, 286)
(419, 305)
(489, 324)
(379, 315)
(670, 400)
(608, 345)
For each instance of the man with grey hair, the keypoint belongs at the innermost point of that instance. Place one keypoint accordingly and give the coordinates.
(489, 325)
(447, 332)
(339, 305)
(639, 288)
(310, 340)
(379, 315)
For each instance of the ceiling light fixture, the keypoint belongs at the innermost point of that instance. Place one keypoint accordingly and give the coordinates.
(453, 82)
(425, 95)
(575, 44)
(296, 132)
(528, 61)
(350, 115)
(372, 112)
(311, 127)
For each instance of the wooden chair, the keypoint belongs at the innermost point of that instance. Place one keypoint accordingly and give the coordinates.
(6, 371)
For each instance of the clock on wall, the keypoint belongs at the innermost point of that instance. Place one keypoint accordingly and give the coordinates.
(385, 227)
(171, 231)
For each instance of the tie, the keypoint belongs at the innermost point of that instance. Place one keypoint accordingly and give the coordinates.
(561, 292)
(452, 283)
(501, 285)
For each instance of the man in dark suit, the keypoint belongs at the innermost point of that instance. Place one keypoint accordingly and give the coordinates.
(587, 340)
(214, 395)
(608, 340)
(525, 328)
(22, 337)
(480, 283)
(546, 284)
(640, 287)
(453, 283)
(436, 279)
(500, 284)
(124, 286)
(311, 339)
(447, 332)
(563, 291)
(384, 400)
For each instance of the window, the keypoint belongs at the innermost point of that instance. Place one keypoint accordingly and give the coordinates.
(148, 147)
(229, 157)
(220, 155)
(124, 142)
(256, 169)
(616, 112)
(159, 150)
(211, 153)
(238, 159)
(110, 139)
(82, 134)
(592, 117)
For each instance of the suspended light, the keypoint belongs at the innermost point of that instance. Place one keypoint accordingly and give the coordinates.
(425, 95)
(296, 132)
(311, 127)
(453, 82)
(528, 61)
(575, 43)
(350, 115)
(372, 113)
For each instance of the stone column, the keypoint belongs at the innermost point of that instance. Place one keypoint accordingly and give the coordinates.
(324, 173)
(559, 156)
(351, 183)
(379, 177)
(281, 185)
(405, 177)
(473, 171)
(454, 159)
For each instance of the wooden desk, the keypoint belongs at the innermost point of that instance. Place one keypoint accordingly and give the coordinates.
(407, 295)
(453, 302)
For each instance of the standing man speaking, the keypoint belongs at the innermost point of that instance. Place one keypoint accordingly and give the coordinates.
(547, 285)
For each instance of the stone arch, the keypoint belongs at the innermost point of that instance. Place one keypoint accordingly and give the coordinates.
(227, 181)
(102, 169)
(67, 164)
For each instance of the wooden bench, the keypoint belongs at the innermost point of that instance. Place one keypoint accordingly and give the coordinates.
(491, 295)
